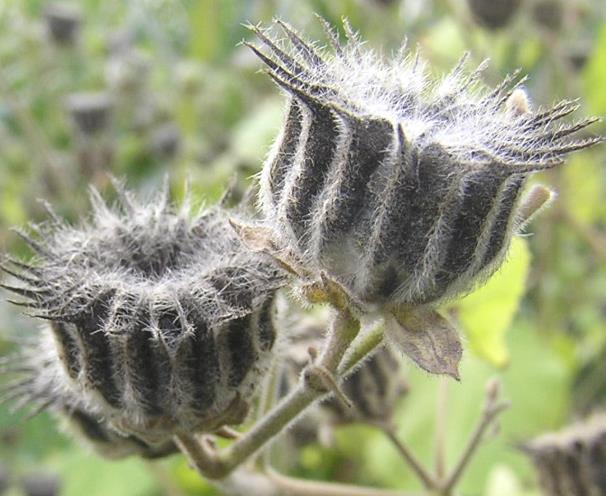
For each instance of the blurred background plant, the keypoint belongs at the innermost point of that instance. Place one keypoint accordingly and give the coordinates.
(146, 88)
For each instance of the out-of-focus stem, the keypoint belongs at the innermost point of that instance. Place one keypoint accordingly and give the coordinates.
(493, 407)
(425, 477)
(440, 432)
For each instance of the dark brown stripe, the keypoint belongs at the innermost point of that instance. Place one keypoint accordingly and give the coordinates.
(501, 224)
(320, 148)
(147, 364)
(479, 197)
(241, 349)
(197, 362)
(361, 397)
(574, 473)
(597, 462)
(370, 143)
(68, 348)
(96, 352)
(286, 151)
(423, 181)
(89, 426)
(267, 331)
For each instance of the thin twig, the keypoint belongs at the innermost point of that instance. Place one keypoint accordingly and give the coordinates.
(164, 479)
(423, 475)
(299, 487)
(492, 409)
(440, 429)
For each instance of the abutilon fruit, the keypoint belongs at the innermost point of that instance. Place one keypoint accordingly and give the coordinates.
(160, 320)
(571, 462)
(493, 14)
(403, 189)
(62, 22)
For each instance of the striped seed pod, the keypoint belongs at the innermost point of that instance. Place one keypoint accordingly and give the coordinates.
(571, 462)
(160, 321)
(37, 383)
(403, 189)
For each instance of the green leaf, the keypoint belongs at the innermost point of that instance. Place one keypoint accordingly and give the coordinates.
(582, 189)
(486, 314)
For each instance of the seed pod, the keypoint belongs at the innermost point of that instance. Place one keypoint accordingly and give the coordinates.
(160, 322)
(164, 141)
(548, 13)
(571, 462)
(493, 14)
(41, 484)
(403, 190)
(90, 112)
(63, 23)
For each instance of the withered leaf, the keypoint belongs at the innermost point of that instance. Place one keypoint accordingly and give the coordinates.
(426, 337)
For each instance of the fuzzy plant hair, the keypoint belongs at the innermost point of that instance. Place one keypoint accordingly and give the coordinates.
(403, 188)
(161, 319)
(571, 462)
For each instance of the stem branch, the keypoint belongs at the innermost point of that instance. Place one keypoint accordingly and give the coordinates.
(492, 409)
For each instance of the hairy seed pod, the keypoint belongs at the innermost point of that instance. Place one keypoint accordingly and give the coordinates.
(63, 23)
(160, 321)
(164, 141)
(493, 14)
(403, 189)
(571, 462)
(90, 112)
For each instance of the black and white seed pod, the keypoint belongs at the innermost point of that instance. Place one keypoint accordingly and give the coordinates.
(62, 22)
(571, 462)
(161, 319)
(493, 14)
(403, 189)
(90, 112)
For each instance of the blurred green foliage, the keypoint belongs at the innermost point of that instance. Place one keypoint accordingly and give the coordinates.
(188, 102)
